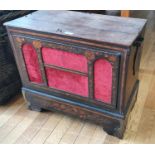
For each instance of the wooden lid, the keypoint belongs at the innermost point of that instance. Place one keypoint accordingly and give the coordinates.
(101, 28)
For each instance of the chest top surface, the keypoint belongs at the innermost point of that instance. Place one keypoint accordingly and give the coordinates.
(101, 28)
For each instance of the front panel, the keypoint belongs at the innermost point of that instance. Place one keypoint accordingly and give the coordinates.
(77, 72)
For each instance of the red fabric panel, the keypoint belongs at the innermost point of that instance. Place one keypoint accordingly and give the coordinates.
(32, 63)
(67, 81)
(64, 59)
(103, 80)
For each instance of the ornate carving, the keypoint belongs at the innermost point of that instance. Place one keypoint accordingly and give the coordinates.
(112, 58)
(36, 44)
(20, 40)
(110, 125)
(89, 55)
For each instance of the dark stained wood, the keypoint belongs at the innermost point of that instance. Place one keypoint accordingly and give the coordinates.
(41, 66)
(91, 79)
(95, 37)
(113, 124)
(102, 28)
(89, 53)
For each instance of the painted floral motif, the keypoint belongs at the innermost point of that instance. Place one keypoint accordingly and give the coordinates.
(36, 44)
(20, 40)
(90, 55)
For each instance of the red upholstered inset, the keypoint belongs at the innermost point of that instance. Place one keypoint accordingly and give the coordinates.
(67, 81)
(103, 80)
(32, 63)
(64, 59)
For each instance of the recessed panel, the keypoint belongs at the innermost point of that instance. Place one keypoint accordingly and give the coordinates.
(103, 80)
(32, 63)
(64, 59)
(67, 81)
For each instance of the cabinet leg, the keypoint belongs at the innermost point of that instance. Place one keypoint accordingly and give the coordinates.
(115, 129)
(30, 105)
(34, 107)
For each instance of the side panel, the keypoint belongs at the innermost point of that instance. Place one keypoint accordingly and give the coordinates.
(132, 70)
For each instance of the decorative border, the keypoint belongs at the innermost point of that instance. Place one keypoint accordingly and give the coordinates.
(91, 54)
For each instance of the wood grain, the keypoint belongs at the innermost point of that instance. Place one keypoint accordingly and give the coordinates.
(96, 27)
(16, 121)
(72, 133)
(47, 129)
(86, 133)
(59, 131)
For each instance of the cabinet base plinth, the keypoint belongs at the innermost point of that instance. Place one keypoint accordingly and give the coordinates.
(113, 123)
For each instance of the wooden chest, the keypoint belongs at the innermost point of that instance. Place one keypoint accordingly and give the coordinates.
(81, 64)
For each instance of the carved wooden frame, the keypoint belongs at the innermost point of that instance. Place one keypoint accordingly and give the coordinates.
(91, 54)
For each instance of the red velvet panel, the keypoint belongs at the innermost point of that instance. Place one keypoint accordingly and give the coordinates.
(103, 80)
(67, 81)
(32, 63)
(64, 59)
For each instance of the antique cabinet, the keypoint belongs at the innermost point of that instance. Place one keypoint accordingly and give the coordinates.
(85, 65)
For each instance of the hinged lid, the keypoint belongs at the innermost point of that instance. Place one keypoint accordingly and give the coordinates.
(101, 28)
